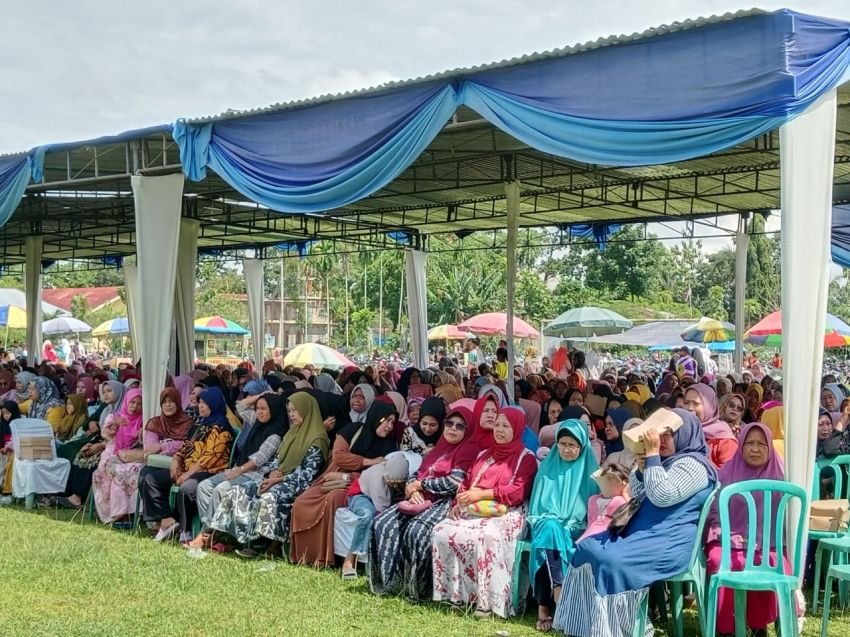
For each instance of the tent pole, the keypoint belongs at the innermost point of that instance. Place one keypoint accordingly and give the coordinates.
(742, 243)
(512, 204)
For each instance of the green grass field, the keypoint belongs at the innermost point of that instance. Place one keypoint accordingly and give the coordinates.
(59, 577)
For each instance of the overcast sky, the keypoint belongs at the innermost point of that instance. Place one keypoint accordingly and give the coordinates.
(77, 70)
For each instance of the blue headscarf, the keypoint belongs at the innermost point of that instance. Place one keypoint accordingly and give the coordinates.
(214, 399)
(619, 416)
(690, 443)
(557, 512)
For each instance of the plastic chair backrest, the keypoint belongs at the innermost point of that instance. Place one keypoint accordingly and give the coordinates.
(838, 465)
(770, 537)
(25, 427)
(703, 518)
(237, 431)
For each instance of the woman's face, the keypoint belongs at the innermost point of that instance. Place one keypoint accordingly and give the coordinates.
(568, 448)
(107, 394)
(358, 401)
(454, 429)
(572, 382)
(19, 386)
(429, 425)
(734, 411)
(34, 392)
(756, 449)
(7, 415)
(70, 409)
(385, 427)
(827, 399)
(169, 407)
(203, 409)
(554, 411)
(668, 444)
(489, 415)
(560, 390)
(673, 382)
(193, 397)
(295, 419)
(134, 406)
(81, 389)
(415, 378)
(264, 414)
(824, 427)
(413, 413)
(611, 432)
(576, 398)
(754, 400)
(693, 403)
(503, 432)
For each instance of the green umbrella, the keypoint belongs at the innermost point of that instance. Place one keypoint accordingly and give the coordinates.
(584, 322)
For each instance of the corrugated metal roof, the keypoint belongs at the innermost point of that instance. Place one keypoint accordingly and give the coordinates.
(612, 40)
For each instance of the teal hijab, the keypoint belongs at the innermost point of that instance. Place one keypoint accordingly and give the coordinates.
(557, 512)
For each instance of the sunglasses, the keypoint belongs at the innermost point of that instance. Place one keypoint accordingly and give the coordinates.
(455, 424)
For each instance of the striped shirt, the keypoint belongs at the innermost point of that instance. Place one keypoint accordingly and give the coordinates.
(667, 487)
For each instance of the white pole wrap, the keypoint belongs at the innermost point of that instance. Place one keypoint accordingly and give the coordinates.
(742, 244)
(807, 147)
(32, 285)
(253, 270)
(131, 285)
(512, 205)
(184, 294)
(158, 205)
(417, 304)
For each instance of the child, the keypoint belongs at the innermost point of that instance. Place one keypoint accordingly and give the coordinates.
(612, 481)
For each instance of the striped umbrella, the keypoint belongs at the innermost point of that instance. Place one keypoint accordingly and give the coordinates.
(768, 331)
(316, 354)
(218, 325)
(709, 330)
(13, 316)
(448, 333)
(112, 326)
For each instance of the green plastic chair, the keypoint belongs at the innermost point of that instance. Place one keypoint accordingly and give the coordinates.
(842, 574)
(758, 577)
(834, 543)
(519, 582)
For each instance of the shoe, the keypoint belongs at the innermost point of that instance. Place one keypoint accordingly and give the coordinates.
(482, 614)
(248, 553)
(164, 534)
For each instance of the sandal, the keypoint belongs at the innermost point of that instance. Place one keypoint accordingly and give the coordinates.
(349, 573)
(544, 624)
(481, 614)
(221, 548)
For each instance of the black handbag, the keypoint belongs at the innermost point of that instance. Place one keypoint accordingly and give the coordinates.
(621, 517)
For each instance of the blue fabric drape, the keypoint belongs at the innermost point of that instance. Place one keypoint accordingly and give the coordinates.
(676, 96)
(15, 173)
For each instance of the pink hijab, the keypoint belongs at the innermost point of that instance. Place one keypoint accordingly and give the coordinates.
(128, 435)
(737, 470)
(712, 426)
(184, 385)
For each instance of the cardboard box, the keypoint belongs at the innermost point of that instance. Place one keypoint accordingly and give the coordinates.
(596, 404)
(36, 448)
(661, 420)
(829, 515)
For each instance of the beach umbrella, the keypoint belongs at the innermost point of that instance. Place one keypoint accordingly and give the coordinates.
(709, 330)
(218, 325)
(65, 325)
(448, 333)
(586, 322)
(112, 327)
(496, 324)
(13, 316)
(318, 355)
(768, 331)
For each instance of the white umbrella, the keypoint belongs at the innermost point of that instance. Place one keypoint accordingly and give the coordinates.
(65, 325)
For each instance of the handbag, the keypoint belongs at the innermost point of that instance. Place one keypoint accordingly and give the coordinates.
(622, 516)
(408, 508)
(486, 509)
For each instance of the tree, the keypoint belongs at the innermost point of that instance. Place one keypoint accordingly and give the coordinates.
(763, 284)
(628, 266)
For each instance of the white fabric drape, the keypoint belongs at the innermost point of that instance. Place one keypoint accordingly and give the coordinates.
(807, 147)
(742, 244)
(253, 270)
(131, 285)
(32, 285)
(417, 304)
(158, 205)
(36, 476)
(184, 295)
(512, 210)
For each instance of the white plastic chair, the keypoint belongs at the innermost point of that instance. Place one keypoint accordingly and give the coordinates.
(31, 477)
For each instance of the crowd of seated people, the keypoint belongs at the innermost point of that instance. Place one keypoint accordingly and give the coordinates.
(424, 481)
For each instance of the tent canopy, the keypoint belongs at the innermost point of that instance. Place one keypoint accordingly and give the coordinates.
(430, 155)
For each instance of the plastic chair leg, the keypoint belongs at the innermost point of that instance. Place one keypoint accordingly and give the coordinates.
(788, 613)
(677, 608)
(640, 624)
(699, 591)
(137, 519)
(711, 609)
(29, 501)
(826, 602)
(816, 586)
(740, 613)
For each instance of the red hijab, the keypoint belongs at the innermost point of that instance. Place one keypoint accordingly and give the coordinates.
(484, 436)
(497, 466)
(445, 456)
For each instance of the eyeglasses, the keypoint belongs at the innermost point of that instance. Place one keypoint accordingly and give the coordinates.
(459, 425)
(569, 446)
(735, 406)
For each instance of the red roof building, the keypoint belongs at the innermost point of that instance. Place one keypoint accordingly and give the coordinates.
(96, 298)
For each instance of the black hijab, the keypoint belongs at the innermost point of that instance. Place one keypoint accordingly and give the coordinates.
(332, 405)
(436, 408)
(404, 381)
(260, 432)
(368, 444)
(5, 425)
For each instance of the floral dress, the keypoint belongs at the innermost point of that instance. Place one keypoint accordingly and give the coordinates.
(116, 485)
(246, 515)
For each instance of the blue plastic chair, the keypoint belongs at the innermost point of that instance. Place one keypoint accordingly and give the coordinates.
(836, 544)
(763, 576)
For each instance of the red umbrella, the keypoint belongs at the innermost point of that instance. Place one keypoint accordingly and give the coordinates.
(496, 323)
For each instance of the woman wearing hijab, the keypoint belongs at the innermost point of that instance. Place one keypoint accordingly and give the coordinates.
(84, 451)
(361, 399)
(400, 545)
(326, 383)
(731, 410)
(624, 458)
(358, 446)
(615, 421)
(45, 403)
(557, 513)
(722, 444)
(609, 578)
(184, 384)
(86, 387)
(831, 397)
(473, 554)
(412, 410)
(73, 423)
(116, 478)
(9, 412)
(755, 395)
(755, 459)
(421, 437)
